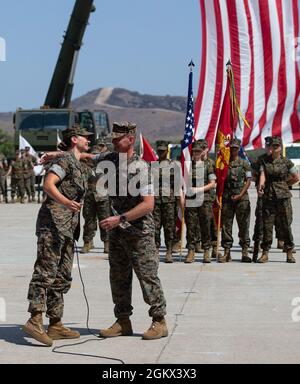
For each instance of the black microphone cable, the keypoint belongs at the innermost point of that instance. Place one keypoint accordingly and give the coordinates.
(97, 338)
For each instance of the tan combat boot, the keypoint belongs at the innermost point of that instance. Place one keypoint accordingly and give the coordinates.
(34, 328)
(206, 257)
(245, 256)
(87, 246)
(280, 244)
(226, 257)
(214, 253)
(157, 330)
(190, 258)
(264, 257)
(168, 257)
(176, 247)
(57, 331)
(12, 200)
(255, 251)
(289, 256)
(106, 247)
(198, 248)
(122, 327)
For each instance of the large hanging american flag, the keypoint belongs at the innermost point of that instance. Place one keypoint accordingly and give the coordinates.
(260, 37)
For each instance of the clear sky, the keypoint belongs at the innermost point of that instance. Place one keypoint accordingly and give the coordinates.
(140, 45)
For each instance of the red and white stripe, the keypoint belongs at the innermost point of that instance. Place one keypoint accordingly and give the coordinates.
(260, 37)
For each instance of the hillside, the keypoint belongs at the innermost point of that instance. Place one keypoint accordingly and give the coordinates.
(158, 117)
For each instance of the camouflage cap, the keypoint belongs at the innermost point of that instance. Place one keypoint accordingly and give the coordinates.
(75, 130)
(95, 149)
(161, 145)
(122, 128)
(268, 141)
(197, 146)
(203, 143)
(101, 142)
(276, 140)
(235, 143)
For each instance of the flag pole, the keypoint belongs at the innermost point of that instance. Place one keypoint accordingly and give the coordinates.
(182, 231)
(219, 226)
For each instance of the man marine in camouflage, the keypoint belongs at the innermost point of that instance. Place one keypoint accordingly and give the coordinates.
(165, 200)
(16, 170)
(3, 182)
(29, 176)
(131, 237)
(96, 203)
(57, 228)
(200, 214)
(236, 203)
(277, 174)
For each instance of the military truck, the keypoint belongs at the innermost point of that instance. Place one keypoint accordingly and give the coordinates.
(41, 127)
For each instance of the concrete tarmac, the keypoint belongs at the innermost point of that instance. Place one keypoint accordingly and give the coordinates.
(217, 313)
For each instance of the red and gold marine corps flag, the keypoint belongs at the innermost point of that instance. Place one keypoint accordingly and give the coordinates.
(224, 136)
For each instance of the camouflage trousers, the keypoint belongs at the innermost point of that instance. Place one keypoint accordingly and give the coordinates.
(272, 209)
(92, 212)
(164, 216)
(138, 253)
(199, 220)
(29, 184)
(241, 209)
(2, 185)
(51, 278)
(17, 186)
(258, 227)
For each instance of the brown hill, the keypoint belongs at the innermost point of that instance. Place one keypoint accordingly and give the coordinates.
(158, 117)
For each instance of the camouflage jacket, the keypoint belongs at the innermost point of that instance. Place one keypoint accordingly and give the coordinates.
(165, 193)
(277, 172)
(208, 174)
(3, 166)
(73, 183)
(17, 169)
(238, 172)
(29, 163)
(135, 173)
(94, 177)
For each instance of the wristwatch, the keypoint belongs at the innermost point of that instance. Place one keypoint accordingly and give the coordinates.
(123, 219)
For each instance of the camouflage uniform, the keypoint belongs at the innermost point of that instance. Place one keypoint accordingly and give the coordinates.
(56, 229)
(17, 178)
(133, 248)
(164, 208)
(95, 207)
(258, 227)
(277, 201)
(239, 171)
(29, 175)
(201, 215)
(3, 171)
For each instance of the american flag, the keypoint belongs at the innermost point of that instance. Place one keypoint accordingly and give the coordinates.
(187, 140)
(261, 37)
(189, 128)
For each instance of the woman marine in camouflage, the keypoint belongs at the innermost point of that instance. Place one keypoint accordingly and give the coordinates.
(57, 227)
